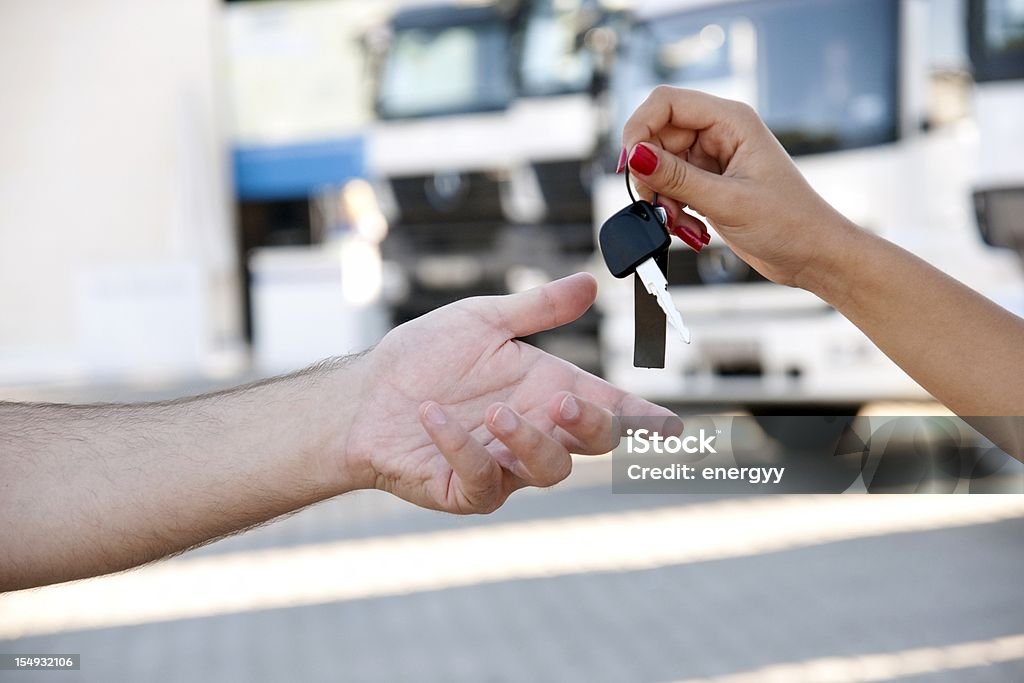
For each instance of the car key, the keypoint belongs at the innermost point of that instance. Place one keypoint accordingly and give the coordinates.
(630, 241)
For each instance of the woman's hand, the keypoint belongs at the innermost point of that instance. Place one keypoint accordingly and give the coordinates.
(717, 157)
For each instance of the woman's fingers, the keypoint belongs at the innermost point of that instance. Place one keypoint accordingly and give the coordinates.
(667, 107)
(685, 226)
(540, 460)
(675, 140)
(679, 141)
(700, 158)
(479, 477)
(673, 180)
(669, 175)
(690, 230)
(673, 209)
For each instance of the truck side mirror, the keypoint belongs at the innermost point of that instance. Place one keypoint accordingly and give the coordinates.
(1000, 214)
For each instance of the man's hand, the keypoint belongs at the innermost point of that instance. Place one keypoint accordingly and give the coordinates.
(457, 413)
(449, 412)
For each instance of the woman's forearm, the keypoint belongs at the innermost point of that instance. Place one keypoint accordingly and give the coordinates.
(965, 350)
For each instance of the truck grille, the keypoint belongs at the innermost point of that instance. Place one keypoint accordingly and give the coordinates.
(712, 266)
(566, 188)
(450, 197)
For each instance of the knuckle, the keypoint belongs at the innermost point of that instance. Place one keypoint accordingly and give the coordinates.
(531, 439)
(548, 468)
(457, 441)
(663, 92)
(482, 479)
(676, 176)
(608, 442)
(562, 470)
(591, 426)
(745, 111)
(557, 471)
(598, 438)
(486, 498)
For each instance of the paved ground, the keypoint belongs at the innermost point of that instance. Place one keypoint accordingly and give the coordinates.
(884, 594)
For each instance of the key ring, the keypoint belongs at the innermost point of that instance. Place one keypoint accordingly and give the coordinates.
(629, 189)
(654, 199)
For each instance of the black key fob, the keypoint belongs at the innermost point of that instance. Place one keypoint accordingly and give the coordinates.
(632, 236)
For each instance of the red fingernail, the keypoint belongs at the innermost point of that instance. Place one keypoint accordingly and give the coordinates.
(622, 161)
(683, 233)
(705, 237)
(643, 160)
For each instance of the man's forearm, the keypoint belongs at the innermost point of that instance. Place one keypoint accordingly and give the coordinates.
(934, 327)
(87, 490)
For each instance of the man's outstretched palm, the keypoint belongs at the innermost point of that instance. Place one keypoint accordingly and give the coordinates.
(472, 413)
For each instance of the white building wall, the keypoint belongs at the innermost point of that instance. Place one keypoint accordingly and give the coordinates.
(116, 240)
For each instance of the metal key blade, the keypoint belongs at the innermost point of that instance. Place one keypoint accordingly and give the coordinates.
(655, 283)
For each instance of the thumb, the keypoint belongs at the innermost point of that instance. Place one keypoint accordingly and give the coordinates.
(548, 306)
(667, 174)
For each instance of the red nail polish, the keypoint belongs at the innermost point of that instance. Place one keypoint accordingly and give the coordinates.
(643, 160)
(685, 235)
(619, 167)
(705, 237)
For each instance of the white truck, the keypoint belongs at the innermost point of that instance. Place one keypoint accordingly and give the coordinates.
(488, 124)
(996, 44)
(846, 85)
(300, 105)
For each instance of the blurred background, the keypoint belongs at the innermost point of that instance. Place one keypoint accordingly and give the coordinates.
(196, 193)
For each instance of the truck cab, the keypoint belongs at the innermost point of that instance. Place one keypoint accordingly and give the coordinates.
(487, 132)
(996, 46)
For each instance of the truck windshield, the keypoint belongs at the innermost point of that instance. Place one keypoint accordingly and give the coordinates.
(997, 39)
(823, 75)
(551, 61)
(446, 69)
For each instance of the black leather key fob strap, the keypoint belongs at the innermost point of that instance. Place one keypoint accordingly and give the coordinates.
(648, 323)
